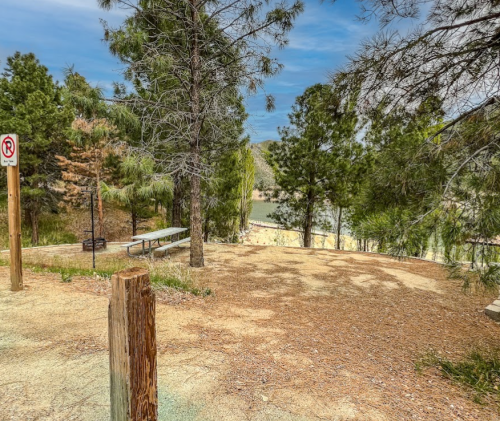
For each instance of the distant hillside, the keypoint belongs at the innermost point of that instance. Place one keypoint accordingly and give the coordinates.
(263, 172)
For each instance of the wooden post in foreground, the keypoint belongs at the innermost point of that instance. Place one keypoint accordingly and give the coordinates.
(132, 347)
(14, 189)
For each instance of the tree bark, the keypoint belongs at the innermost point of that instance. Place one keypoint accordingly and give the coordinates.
(35, 238)
(27, 217)
(243, 210)
(309, 219)
(176, 205)
(132, 347)
(206, 231)
(339, 226)
(196, 257)
(196, 223)
(134, 221)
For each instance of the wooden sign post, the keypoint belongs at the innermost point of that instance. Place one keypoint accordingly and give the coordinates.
(132, 347)
(9, 145)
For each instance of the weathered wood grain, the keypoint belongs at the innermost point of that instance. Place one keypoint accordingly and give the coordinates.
(132, 341)
(14, 205)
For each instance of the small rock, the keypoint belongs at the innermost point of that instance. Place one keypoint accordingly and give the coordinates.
(493, 312)
(265, 398)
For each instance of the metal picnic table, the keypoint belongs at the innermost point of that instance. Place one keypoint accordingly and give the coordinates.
(155, 236)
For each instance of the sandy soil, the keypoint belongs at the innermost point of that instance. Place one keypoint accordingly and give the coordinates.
(288, 334)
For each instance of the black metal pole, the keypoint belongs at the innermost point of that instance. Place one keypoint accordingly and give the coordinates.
(93, 229)
(93, 237)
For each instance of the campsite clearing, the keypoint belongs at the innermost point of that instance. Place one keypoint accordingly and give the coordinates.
(288, 334)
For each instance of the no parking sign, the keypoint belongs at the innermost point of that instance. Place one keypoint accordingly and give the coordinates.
(9, 147)
(9, 153)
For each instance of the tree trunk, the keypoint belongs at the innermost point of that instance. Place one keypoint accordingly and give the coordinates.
(243, 210)
(339, 226)
(176, 205)
(196, 258)
(365, 248)
(244, 214)
(309, 220)
(207, 229)
(473, 257)
(34, 226)
(196, 223)
(27, 217)
(134, 221)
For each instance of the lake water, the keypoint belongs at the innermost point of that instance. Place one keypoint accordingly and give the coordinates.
(260, 210)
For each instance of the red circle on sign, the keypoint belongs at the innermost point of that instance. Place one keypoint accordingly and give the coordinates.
(8, 150)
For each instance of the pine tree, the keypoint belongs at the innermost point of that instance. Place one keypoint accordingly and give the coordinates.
(206, 52)
(139, 188)
(90, 138)
(31, 106)
(314, 161)
(401, 183)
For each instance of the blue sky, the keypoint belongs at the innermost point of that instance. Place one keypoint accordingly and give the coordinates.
(68, 32)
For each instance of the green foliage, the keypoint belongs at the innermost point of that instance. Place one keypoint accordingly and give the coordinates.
(52, 229)
(401, 184)
(221, 201)
(480, 371)
(31, 106)
(227, 194)
(445, 189)
(139, 187)
(317, 160)
(188, 65)
(247, 163)
(395, 232)
(66, 277)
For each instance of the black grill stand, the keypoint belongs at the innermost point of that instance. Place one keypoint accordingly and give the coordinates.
(92, 219)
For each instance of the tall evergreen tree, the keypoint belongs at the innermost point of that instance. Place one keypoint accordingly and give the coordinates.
(315, 159)
(31, 106)
(205, 51)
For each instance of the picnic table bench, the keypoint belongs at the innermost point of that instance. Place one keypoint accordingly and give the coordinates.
(156, 236)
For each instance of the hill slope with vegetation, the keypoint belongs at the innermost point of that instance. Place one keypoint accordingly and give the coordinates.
(264, 177)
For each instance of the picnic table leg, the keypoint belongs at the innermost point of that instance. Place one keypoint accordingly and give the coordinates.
(149, 247)
(143, 245)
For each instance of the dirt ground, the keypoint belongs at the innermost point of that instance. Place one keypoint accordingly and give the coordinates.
(289, 334)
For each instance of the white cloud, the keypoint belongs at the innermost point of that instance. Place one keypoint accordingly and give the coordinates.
(62, 6)
(327, 43)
